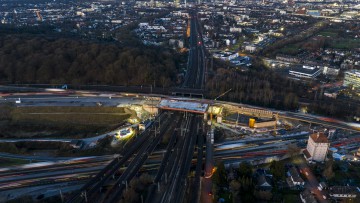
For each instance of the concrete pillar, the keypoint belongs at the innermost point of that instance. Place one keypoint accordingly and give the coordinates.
(219, 119)
(205, 116)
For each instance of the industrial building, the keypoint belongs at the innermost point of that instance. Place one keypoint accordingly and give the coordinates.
(305, 71)
(250, 121)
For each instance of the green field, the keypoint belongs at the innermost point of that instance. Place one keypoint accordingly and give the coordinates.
(70, 115)
(74, 122)
(345, 43)
(328, 33)
(290, 49)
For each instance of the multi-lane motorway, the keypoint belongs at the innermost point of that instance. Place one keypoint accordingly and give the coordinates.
(194, 77)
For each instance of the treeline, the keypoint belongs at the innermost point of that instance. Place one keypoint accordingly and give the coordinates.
(60, 61)
(269, 89)
(258, 88)
(28, 147)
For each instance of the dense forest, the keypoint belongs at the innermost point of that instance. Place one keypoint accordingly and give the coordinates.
(63, 60)
(259, 88)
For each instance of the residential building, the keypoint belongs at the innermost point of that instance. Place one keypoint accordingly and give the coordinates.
(307, 197)
(358, 152)
(352, 78)
(294, 178)
(264, 183)
(287, 58)
(317, 147)
(250, 48)
(343, 192)
(332, 71)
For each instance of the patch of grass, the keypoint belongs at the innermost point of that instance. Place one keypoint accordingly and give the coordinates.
(290, 49)
(328, 33)
(5, 162)
(75, 122)
(73, 115)
(345, 43)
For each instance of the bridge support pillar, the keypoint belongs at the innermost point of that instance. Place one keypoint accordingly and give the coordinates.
(219, 119)
(205, 116)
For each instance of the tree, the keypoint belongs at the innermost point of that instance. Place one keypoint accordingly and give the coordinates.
(145, 179)
(235, 186)
(245, 169)
(328, 172)
(293, 150)
(9, 148)
(263, 195)
(219, 177)
(277, 169)
(105, 142)
(131, 196)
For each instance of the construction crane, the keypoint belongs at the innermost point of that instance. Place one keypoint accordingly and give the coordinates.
(211, 115)
(223, 94)
(39, 17)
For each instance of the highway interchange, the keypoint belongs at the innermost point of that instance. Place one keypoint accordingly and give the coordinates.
(105, 178)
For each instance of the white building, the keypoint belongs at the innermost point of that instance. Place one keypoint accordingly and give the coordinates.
(343, 192)
(226, 55)
(235, 29)
(317, 147)
(250, 48)
(334, 71)
(295, 178)
(305, 71)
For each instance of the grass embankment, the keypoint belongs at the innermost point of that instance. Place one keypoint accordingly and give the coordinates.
(74, 122)
(4, 162)
(71, 115)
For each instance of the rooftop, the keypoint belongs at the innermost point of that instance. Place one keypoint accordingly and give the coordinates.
(295, 175)
(342, 190)
(307, 154)
(183, 105)
(308, 197)
(305, 69)
(319, 138)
